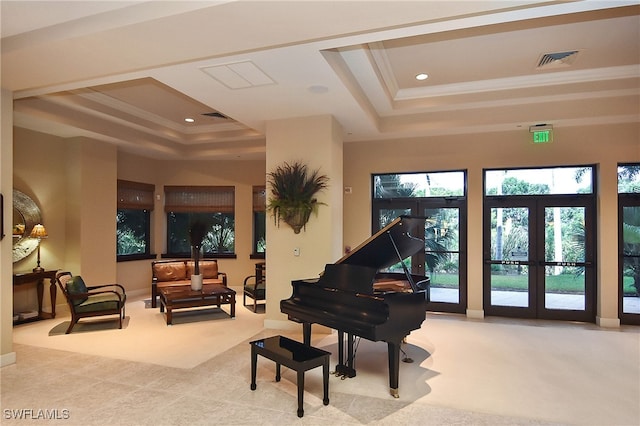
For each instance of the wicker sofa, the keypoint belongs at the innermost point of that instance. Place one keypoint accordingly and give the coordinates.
(169, 273)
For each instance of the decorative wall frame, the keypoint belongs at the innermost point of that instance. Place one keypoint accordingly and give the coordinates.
(26, 215)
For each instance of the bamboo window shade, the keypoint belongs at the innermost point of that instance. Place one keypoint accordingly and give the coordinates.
(184, 199)
(135, 195)
(259, 198)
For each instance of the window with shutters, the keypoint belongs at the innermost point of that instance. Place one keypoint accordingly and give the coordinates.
(213, 205)
(259, 222)
(133, 220)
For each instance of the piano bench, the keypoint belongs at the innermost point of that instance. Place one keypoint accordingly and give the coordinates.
(295, 355)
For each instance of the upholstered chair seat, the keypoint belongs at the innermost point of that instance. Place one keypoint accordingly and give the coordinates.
(91, 301)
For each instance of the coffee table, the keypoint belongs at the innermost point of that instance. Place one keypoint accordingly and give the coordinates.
(182, 297)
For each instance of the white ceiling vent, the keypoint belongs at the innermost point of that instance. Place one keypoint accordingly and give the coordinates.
(558, 59)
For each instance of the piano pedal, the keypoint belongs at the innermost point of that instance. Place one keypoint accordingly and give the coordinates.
(406, 358)
(342, 375)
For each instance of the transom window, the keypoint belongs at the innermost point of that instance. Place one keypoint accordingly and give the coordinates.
(419, 185)
(545, 181)
(629, 179)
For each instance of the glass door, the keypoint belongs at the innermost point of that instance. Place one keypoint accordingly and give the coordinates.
(510, 272)
(539, 258)
(566, 287)
(442, 260)
(439, 197)
(629, 265)
(443, 256)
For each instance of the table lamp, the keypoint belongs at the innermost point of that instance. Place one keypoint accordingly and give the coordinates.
(38, 232)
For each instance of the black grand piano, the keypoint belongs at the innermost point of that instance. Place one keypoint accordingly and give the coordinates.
(353, 297)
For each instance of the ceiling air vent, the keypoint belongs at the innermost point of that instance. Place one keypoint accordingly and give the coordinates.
(549, 60)
(215, 115)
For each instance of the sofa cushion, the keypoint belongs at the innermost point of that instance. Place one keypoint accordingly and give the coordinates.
(170, 271)
(165, 284)
(76, 285)
(257, 292)
(99, 302)
(208, 268)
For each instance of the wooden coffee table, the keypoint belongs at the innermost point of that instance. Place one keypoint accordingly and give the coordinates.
(183, 297)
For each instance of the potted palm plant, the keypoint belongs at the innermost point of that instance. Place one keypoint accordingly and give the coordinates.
(197, 232)
(293, 191)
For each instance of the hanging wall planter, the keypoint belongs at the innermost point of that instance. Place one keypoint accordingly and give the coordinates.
(293, 192)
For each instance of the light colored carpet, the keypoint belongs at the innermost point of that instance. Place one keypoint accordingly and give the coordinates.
(146, 337)
(502, 371)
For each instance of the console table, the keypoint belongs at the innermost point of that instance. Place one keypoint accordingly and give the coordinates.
(38, 277)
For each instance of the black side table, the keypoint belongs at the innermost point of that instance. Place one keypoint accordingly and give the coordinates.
(295, 355)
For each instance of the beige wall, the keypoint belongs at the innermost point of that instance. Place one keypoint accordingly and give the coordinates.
(317, 142)
(604, 145)
(74, 183)
(7, 356)
(39, 170)
(241, 174)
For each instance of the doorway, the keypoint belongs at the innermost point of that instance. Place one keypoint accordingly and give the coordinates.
(539, 256)
(443, 259)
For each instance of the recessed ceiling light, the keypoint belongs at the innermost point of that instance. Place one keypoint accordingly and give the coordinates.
(422, 76)
(189, 120)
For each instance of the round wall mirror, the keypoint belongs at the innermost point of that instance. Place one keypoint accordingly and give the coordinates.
(26, 215)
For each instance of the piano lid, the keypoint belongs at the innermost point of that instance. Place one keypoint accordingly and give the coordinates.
(378, 251)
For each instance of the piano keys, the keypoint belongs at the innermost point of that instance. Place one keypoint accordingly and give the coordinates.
(352, 296)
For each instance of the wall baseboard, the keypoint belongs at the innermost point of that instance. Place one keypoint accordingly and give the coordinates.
(7, 359)
(608, 322)
(475, 313)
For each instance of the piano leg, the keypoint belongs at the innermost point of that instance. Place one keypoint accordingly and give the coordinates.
(394, 367)
(306, 333)
(350, 355)
(340, 366)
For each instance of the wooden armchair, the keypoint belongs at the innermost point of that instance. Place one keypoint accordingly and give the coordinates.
(255, 286)
(92, 301)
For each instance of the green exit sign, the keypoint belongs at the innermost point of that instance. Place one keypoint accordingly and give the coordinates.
(542, 136)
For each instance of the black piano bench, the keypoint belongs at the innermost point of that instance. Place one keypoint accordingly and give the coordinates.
(295, 355)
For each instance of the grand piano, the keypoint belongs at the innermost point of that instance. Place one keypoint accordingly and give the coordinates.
(352, 296)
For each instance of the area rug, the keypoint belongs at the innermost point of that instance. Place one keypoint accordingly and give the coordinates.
(195, 336)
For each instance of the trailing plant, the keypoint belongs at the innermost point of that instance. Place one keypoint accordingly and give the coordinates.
(293, 191)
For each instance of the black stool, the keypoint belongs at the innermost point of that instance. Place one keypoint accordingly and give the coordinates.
(295, 355)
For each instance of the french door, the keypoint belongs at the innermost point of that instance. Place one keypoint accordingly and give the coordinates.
(629, 258)
(539, 257)
(444, 257)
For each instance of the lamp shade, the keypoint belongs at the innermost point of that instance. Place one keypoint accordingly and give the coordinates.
(38, 231)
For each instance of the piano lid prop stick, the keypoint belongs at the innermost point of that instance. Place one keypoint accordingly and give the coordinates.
(404, 267)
